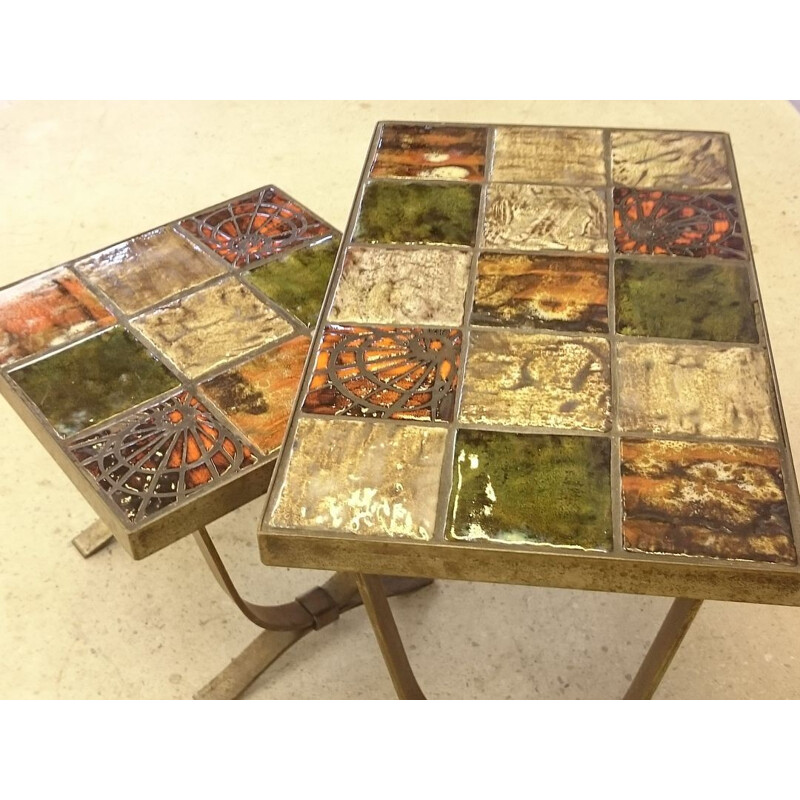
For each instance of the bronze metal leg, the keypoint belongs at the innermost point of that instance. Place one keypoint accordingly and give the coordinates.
(385, 628)
(662, 651)
(93, 539)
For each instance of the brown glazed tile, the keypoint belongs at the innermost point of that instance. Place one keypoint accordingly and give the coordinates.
(367, 478)
(549, 155)
(669, 160)
(719, 392)
(423, 286)
(705, 499)
(258, 395)
(430, 151)
(526, 217)
(558, 292)
(533, 380)
(149, 268)
(212, 326)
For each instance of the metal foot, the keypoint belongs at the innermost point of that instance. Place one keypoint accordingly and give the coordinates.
(93, 539)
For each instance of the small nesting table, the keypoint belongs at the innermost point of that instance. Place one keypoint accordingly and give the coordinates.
(543, 361)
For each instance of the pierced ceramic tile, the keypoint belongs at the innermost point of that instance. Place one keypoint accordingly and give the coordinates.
(212, 326)
(397, 373)
(549, 155)
(705, 499)
(93, 380)
(430, 151)
(719, 392)
(425, 286)
(537, 381)
(418, 213)
(525, 217)
(669, 160)
(542, 292)
(367, 478)
(677, 224)
(149, 268)
(46, 311)
(529, 489)
(684, 300)
(257, 396)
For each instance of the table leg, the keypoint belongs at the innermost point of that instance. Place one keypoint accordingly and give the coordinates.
(385, 628)
(93, 539)
(668, 639)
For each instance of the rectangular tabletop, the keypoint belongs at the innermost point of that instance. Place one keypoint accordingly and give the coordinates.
(160, 372)
(542, 360)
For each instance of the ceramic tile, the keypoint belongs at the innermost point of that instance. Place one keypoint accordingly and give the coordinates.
(549, 155)
(669, 160)
(149, 268)
(399, 373)
(430, 151)
(705, 499)
(46, 311)
(526, 217)
(685, 300)
(257, 396)
(418, 213)
(720, 392)
(426, 286)
(93, 380)
(298, 281)
(677, 224)
(537, 381)
(367, 478)
(211, 327)
(529, 489)
(542, 292)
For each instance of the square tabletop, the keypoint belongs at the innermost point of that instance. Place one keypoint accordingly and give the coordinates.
(160, 372)
(542, 360)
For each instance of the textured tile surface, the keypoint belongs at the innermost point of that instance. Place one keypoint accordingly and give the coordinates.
(364, 477)
(720, 392)
(707, 499)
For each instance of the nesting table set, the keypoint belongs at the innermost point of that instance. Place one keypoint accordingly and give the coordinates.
(538, 357)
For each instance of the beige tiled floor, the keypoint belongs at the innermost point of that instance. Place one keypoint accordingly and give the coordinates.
(79, 176)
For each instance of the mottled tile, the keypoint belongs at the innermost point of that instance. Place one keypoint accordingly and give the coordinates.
(258, 395)
(542, 292)
(252, 228)
(46, 311)
(367, 478)
(423, 286)
(158, 456)
(400, 373)
(677, 224)
(298, 281)
(212, 326)
(93, 380)
(705, 499)
(720, 392)
(430, 151)
(669, 160)
(536, 380)
(684, 300)
(525, 217)
(149, 268)
(529, 489)
(418, 213)
(549, 155)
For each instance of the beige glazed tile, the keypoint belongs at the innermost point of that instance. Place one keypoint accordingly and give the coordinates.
(721, 392)
(379, 490)
(537, 381)
(425, 286)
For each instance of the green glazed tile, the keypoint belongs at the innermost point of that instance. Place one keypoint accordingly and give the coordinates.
(531, 489)
(93, 380)
(298, 281)
(418, 213)
(684, 301)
